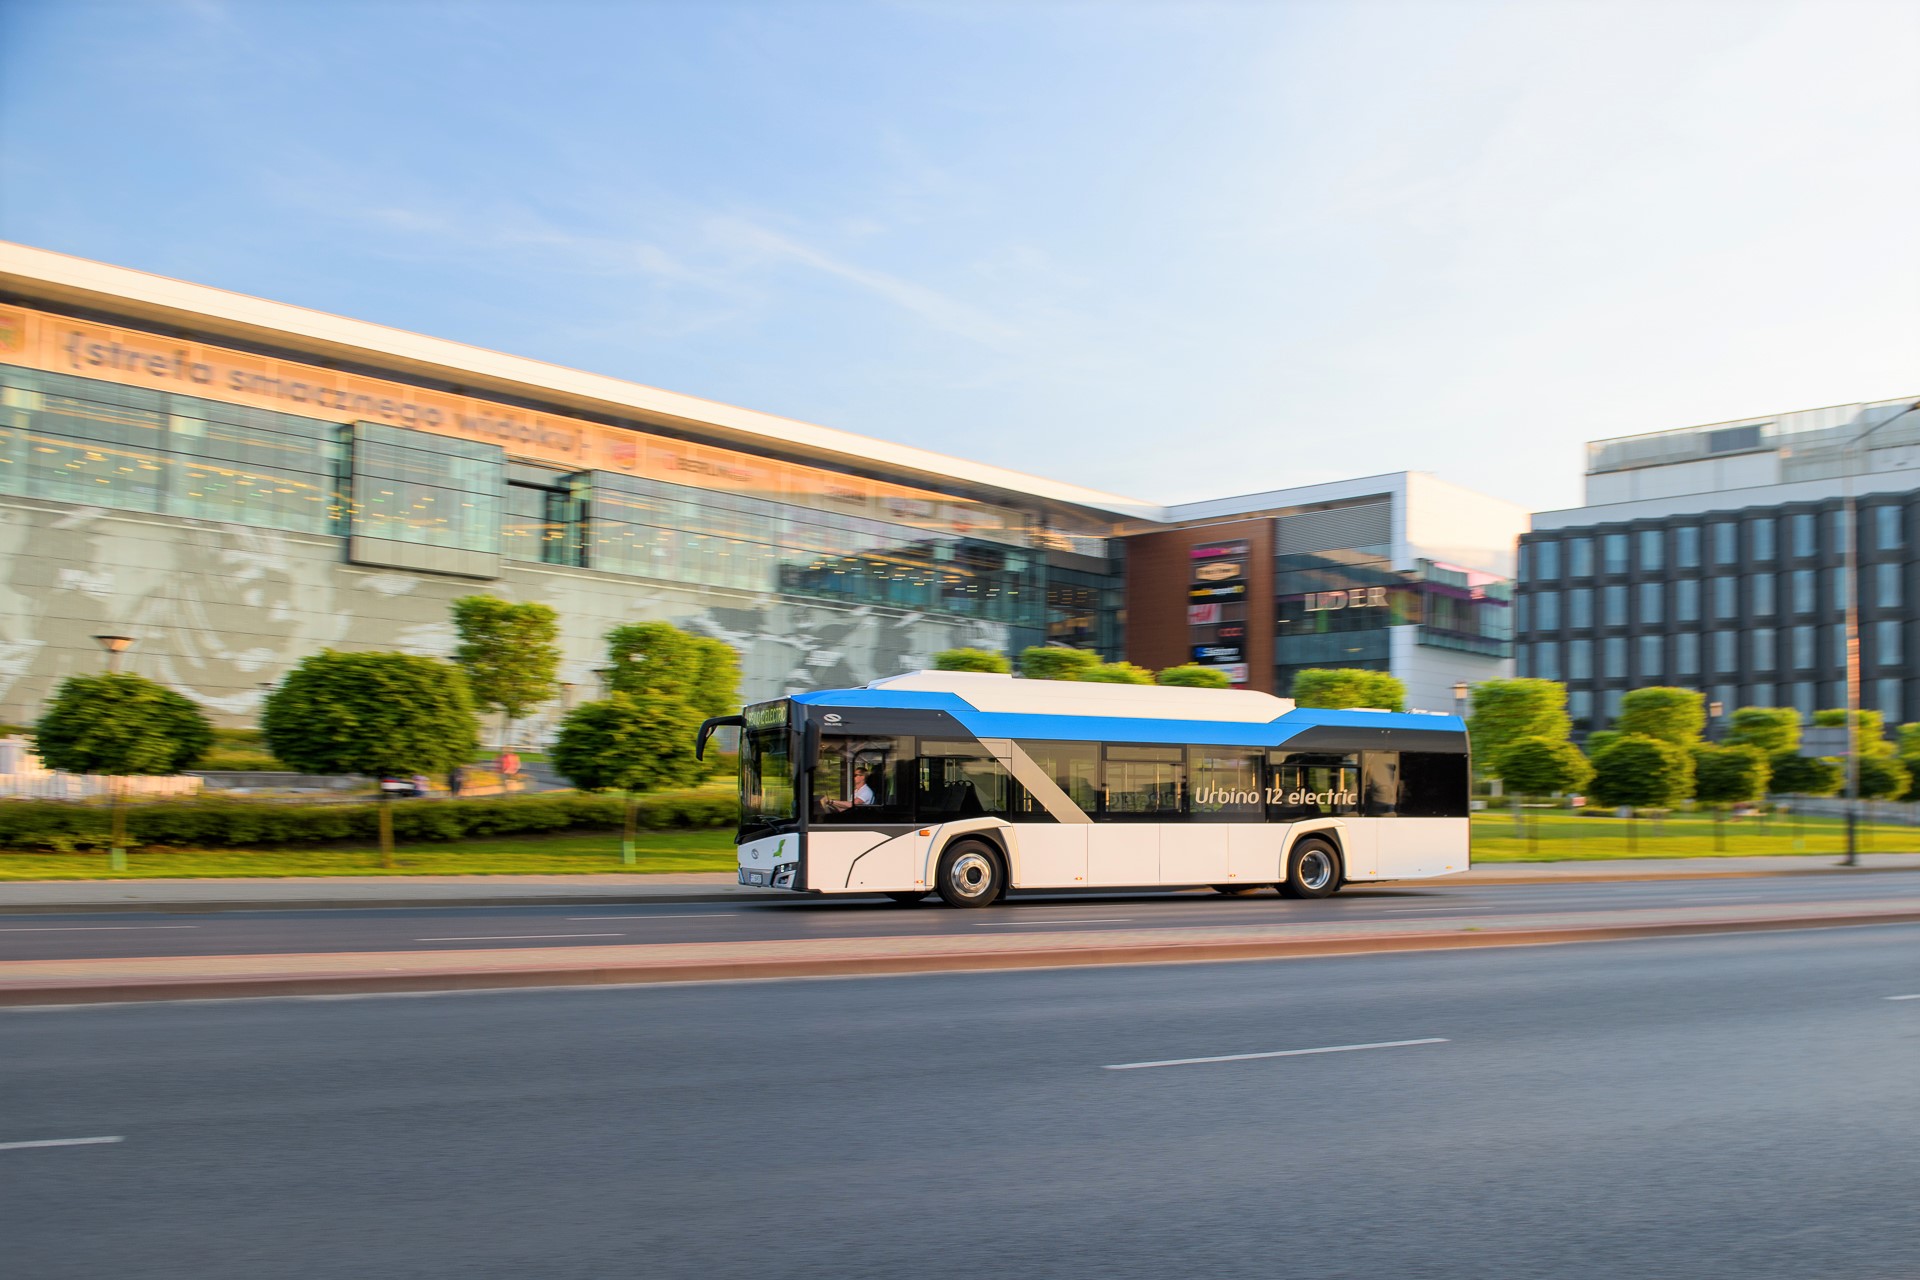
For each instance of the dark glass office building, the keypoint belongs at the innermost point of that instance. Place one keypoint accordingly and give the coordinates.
(1738, 591)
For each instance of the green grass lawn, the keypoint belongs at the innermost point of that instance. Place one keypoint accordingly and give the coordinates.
(573, 853)
(1559, 835)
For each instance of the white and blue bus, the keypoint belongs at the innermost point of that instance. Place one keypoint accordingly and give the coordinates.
(969, 785)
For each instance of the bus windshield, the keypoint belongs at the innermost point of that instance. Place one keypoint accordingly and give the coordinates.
(766, 769)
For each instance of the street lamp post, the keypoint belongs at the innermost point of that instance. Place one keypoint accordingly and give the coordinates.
(115, 646)
(1850, 570)
(117, 814)
(1714, 710)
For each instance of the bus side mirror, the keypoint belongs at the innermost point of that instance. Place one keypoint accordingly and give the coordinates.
(706, 731)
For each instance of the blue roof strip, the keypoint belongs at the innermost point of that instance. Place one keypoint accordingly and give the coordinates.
(1131, 729)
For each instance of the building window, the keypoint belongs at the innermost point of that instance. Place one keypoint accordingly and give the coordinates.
(1886, 697)
(1726, 597)
(1760, 593)
(1760, 695)
(1613, 552)
(1653, 551)
(1580, 608)
(1803, 589)
(1686, 600)
(1580, 557)
(1726, 651)
(426, 502)
(1886, 584)
(1522, 613)
(1762, 648)
(1613, 602)
(1580, 708)
(1726, 543)
(1886, 643)
(1803, 648)
(1546, 660)
(1838, 655)
(1806, 535)
(1546, 611)
(1686, 653)
(1579, 659)
(1887, 530)
(1610, 704)
(1840, 531)
(1686, 547)
(1728, 696)
(1653, 658)
(1841, 582)
(1801, 691)
(1613, 657)
(1651, 598)
(1546, 561)
(1763, 538)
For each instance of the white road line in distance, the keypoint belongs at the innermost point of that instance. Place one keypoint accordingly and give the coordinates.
(1277, 1053)
(514, 937)
(92, 928)
(57, 1142)
(1000, 924)
(1914, 996)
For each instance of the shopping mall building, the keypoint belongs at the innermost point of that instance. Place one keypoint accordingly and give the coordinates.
(235, 483)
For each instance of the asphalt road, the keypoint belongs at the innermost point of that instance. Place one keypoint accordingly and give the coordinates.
(1728, 1106)
(45, 936)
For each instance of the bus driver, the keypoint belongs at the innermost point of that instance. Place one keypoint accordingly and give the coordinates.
(862, 793)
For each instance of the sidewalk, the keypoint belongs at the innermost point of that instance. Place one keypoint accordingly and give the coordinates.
(83, 981)
(323, 892)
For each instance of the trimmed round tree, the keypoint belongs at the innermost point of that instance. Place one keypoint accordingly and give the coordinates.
(1194, 676)
(1335, 688)
(1541, 766)
(1729, 775)
(1506, 711)
(1116, 673)
(1047, 662)
(511, 655)
(1798, 775)
(971, 660)
(1772, 729)
(1636, 772)
(378, 715)
(629, 742)
(1670, 714)
(119, 725)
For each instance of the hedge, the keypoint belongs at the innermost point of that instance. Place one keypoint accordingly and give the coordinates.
(218, 823)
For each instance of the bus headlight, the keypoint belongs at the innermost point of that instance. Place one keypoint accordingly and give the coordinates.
(783, 876)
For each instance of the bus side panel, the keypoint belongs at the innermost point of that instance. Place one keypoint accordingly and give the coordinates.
(1050, 855)
(831, 856)
(1360, 846)
(1412, 847)
(891, 866)
(1254, 851)
(1123, 853)
(1195, 853)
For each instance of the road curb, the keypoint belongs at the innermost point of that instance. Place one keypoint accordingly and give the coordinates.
(624, 897)
(1147, 953)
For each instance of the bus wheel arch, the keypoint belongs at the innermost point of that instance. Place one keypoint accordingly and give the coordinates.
(1313, 866)
(971, 871)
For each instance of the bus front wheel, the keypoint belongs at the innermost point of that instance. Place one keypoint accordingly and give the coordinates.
(969, 875)
(1313, 870)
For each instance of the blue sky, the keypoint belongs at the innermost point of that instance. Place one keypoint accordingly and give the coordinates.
(1172, 251)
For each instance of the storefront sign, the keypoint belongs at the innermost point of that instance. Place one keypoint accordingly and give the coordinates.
(1217, 570)
(1237, 672)
(1357, 598)
(1232, 632)
(1218, 655)
(1202, 615)
(1220, 551)
(1218, 591)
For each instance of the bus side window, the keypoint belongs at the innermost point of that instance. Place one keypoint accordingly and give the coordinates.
(1303, 785)
(1380, 786)
(1433, 785)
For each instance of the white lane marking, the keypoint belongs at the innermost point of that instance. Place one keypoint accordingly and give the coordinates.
(1421, 911)
(512, 937)
(1001, 924)
(678, 915)
(93, 928)
(57, 1142)
(1915, 996)
(1277, 1053)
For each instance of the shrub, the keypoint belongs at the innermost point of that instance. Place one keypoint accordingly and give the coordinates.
(120, 724)
(1045, 662)
(1194, 676)
(971, 660)
(1338, 687)
(1664, 712)
(1117, 673)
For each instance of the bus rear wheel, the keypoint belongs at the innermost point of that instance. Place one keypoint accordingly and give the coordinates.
(969, 875)
(1313, 870)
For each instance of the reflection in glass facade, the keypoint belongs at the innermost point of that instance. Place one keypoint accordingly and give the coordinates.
(419, 500)
(77, 440)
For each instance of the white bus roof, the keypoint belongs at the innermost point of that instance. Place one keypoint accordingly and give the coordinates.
(997, 693)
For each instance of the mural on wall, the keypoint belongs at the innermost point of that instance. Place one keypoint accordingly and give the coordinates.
(219, 612)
